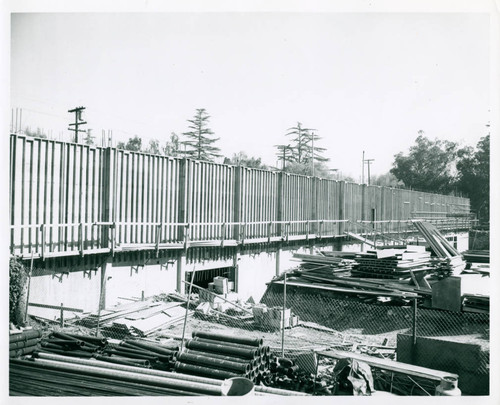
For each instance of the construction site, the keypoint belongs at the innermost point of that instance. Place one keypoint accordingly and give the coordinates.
(150, 275)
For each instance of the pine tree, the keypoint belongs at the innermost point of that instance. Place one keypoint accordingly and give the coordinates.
(199, 143)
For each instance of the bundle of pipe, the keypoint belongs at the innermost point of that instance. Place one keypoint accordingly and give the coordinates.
(158, 373)
(24, 343)
(127, 353)
(223, 356)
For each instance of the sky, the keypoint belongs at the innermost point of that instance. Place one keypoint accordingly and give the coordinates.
(365, 81)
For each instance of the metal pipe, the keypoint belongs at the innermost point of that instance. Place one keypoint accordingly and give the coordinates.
(205, 340)
(130, 376)
(242, 360)
(22, 344)
(151, 347)
(211, 362)
(283, 325)
(27, 335)
(231, 339)
(123, 360)
(21, 352)
(63, 342)
(91, 339)
(131, 354)
(278, 391)
(96, 363)
(220, 348)
(71, 353)
(203, 371)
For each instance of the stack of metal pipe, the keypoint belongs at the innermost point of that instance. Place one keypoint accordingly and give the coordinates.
(129, 352)
(23, 343)
(222, 356)
(53, 375)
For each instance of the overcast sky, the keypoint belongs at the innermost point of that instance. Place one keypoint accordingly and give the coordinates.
(365, 81)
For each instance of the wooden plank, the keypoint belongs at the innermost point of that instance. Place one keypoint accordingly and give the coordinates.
(389, 365)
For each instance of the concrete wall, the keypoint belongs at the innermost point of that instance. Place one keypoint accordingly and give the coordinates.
(469, 361)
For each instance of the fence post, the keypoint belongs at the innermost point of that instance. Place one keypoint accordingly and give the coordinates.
(283, 320)
(61, 317)
(414, 331)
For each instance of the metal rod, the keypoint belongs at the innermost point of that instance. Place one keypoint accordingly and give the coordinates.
(283, 320)
(187, 309)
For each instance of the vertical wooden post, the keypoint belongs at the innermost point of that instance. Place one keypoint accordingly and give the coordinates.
(182, 201)
(237, 197)
(341, 190)
(61, 316)
(236, 259)
(181, 274)
(107, 197)
(278, 254)
(279, 204)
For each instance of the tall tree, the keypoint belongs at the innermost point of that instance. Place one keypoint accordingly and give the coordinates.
(153, 147)
(285, 154)
(428, 165)
(301, 138)
(89, 139)
(473, 167)
(134, 144)
(200, 141)
(242, 159)
(173, 146)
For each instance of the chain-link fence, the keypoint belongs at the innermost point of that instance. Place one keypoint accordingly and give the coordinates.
(455, 342)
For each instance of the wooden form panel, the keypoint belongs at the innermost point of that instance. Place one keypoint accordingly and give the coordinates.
(55, 184)
(76, 192)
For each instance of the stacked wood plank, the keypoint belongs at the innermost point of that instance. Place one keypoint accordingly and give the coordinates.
(136, 319)
(448, 260)
(477, 256)
(476, 303)
(323, 272)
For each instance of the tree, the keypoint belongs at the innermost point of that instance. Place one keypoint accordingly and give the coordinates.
(89, 139)
(386, 180)
(428, 165)
(242, 159)
(200, 143)
(154, 147)
(39, 133)
(285, 154)
(134, 144)
(173, 146)
(301, 137)
(473, 167)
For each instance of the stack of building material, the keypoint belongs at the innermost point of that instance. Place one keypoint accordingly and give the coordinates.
(53, 375)
(392, 263)
(129, 352)
(476, 256)
(222, 356)
(448, 260)
(137, 319)
(327, 262)
(476, 303)
(272, 317)
(23, 342)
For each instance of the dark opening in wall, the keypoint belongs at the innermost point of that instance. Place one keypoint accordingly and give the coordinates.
(203, 277)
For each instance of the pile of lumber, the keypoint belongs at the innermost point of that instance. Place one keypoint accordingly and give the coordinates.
(23, 342)
(448, 260)
(476, 303)
(392, 263)
(327, 262)
(476, 256)
(138, 319)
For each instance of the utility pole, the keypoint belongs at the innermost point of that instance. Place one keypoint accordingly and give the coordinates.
(363, 169)
(78, 121)
(368, 161)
